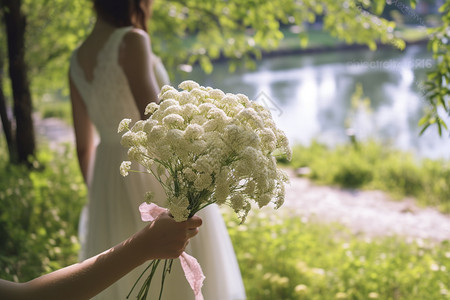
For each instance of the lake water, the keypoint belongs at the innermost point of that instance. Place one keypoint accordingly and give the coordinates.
(310, 96)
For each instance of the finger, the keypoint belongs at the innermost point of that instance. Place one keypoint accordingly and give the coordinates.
(192, 232)
(194, 222)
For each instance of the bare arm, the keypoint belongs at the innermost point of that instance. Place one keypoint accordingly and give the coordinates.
(84, 130)
(136, 60)
(163, 238)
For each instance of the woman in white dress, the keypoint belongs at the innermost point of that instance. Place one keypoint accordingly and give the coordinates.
(114, 75)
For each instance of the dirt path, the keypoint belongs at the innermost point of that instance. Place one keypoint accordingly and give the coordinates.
(370, 212)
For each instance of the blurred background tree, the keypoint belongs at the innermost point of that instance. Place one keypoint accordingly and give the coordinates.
(36, 41)
(41, 34)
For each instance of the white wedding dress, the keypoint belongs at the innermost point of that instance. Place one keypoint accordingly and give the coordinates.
(112, 215)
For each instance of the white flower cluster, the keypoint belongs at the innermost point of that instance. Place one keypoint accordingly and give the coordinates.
(209, 147)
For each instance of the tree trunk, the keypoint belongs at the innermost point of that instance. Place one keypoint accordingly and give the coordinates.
(6, 122)
(15, 31)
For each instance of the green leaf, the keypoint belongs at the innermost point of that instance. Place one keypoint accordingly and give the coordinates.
(424, 129)
(423, 121)
(304, 39)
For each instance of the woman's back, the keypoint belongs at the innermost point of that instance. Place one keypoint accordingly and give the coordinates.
(102, 83)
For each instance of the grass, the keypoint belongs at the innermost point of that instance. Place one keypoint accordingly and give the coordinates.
(281, 256)
(370, 165)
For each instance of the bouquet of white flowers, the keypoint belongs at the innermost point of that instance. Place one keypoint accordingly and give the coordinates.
(205, 147)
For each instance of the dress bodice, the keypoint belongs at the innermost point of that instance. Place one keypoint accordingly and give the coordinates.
(108, 96)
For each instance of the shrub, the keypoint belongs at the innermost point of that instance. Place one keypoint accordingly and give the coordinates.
(39, 211)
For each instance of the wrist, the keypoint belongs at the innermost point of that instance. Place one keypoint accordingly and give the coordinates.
(141, 245)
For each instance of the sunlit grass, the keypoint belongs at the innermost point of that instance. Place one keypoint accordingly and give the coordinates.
(285, 257)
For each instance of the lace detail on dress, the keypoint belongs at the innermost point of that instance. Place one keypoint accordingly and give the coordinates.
(108, 96)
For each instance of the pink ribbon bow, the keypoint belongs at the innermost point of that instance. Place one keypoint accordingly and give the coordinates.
(190, 265)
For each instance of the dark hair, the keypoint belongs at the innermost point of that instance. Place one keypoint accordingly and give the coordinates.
(120, 12)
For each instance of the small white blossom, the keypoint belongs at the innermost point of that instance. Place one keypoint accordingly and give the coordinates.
(189, 110)
(189, 174)
(125, 167)
(197, 147)
(193, 131)
(222, 187)
(213, 125)
(217, 113)
(249, 116)
(128, 139)
(135, 153)
(178, 207)
(167, 103)
(170, 95)
(199, 119)
(164, 89)
(230, 100)
(264, 199)
(243, 100)
(204, 108)
(151, 108)
(250, 187)
(173, 109)
(184, 97)
(202, 181)
(237, 202)
(148, 125)
(188, 85)
(199, 94)
(173, 120)
(138, 126)
(124, 124)
(157, 133)
(216, 94)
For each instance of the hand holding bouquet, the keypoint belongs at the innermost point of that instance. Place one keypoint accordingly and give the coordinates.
(205, 147)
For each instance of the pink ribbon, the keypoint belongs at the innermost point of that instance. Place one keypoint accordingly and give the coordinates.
(190, 265)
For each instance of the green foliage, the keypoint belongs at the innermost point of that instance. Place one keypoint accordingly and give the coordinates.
(371, 165)
(240, 30)
(437, 86)
(54, 29)
(39, 212)
(287, 257)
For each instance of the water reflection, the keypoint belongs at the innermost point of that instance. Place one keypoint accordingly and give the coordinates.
(310, 96)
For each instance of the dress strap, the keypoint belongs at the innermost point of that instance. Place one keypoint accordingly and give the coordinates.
(110, 51)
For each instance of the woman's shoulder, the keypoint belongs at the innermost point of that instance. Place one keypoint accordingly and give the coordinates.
(136, 37)
(135, 43)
